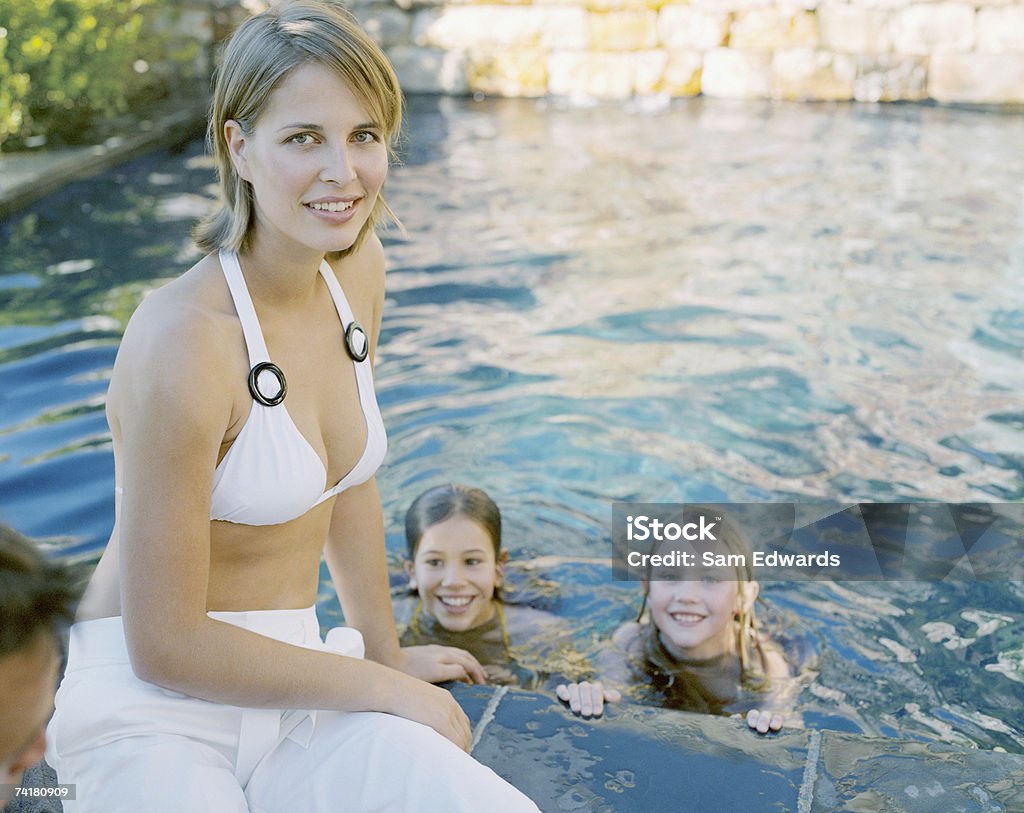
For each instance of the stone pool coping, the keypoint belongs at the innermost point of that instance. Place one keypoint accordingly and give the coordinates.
(640, 759)
(27, 176)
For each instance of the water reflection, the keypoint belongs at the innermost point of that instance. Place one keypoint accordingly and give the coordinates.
(716, 302)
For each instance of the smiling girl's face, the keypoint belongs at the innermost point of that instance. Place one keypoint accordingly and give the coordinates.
(456, 572)
(697, 609)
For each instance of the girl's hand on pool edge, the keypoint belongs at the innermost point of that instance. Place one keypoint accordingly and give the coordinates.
(587, 699)
(762, 721)
(436, 664)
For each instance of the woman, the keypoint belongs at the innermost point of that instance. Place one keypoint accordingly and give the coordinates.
(198, 633)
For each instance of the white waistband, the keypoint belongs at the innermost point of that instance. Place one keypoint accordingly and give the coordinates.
(102, 639)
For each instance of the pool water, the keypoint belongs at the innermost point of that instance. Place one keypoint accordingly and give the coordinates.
(709, 300)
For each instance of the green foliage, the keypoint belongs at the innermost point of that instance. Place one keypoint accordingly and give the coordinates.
(65, 64)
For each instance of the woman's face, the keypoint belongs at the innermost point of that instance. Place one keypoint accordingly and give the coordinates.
(698, 616)
(456, 572)
(315, 159)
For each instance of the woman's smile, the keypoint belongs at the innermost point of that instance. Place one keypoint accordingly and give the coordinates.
(335, 210)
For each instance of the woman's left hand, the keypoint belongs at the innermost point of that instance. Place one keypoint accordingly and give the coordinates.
(763, 721)
(436, 664)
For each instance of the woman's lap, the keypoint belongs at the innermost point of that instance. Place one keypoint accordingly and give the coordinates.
(354, 762)
(129, 746)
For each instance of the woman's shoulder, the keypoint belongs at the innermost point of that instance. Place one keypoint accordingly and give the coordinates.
(185, 314)
(182, 337)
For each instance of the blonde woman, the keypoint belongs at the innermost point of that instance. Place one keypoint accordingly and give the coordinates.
(246, 436)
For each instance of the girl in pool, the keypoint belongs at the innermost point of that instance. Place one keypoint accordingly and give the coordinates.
(456, 571)
(197, 679)
(699, 648)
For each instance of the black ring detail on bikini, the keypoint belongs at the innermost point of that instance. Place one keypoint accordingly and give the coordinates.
(254, 375)
(355, 329)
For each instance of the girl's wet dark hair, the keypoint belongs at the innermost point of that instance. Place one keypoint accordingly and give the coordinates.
(452, 500)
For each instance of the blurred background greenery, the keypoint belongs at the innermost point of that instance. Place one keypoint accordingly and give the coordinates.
(68, 67)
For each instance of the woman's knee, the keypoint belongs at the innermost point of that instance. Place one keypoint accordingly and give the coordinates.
(379, 761)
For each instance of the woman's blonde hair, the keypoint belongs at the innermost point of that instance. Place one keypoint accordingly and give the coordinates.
(254, 61)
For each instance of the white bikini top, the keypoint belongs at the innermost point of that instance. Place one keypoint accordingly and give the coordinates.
(271, 474)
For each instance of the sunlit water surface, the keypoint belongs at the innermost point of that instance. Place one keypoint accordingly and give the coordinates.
(714, 301)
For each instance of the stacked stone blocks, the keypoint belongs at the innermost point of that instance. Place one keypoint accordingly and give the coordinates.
(868, 50)
(969, 51)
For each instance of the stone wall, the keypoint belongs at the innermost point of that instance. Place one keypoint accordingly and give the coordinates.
(868, 50)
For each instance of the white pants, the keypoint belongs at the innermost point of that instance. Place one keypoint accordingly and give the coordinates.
(129, 745)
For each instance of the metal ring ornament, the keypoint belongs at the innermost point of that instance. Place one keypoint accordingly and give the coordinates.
(356, 341)
(254, 390)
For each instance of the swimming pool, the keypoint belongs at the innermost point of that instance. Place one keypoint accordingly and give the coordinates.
(710, 301)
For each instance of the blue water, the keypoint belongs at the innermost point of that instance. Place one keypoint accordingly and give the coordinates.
(716, 301)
